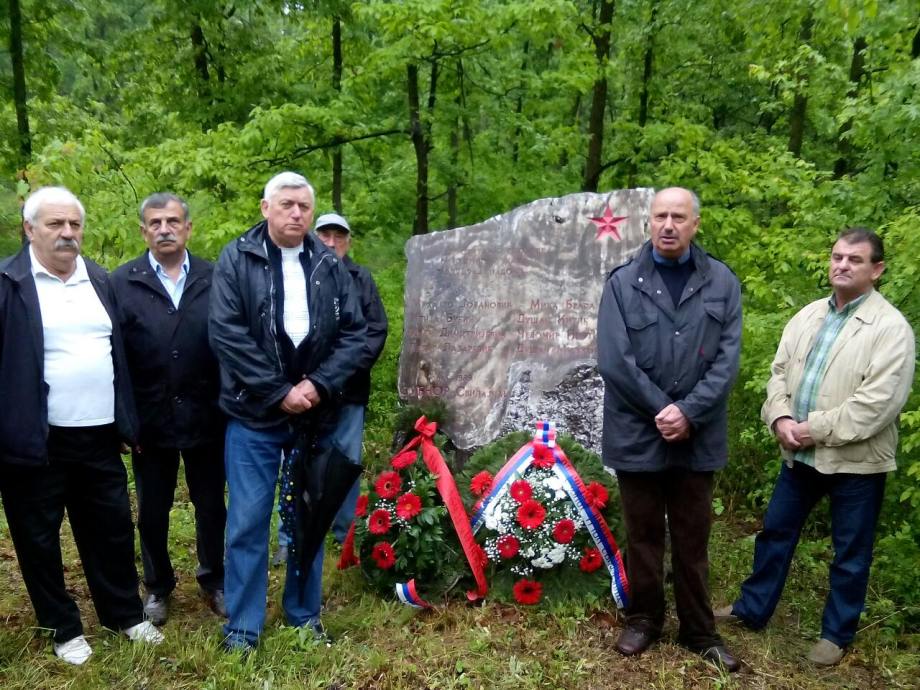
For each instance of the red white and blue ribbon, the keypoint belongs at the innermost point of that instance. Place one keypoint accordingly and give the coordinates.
(545, 442)
(408, 595)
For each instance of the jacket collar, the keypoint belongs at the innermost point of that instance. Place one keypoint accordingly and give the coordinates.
(140, 271)
(647, 280)
(19, 267)
(253, 242)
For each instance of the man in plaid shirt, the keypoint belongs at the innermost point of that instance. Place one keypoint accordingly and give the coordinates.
(842, 372)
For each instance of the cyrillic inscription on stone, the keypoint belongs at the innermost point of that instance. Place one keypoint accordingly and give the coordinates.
(513, 298)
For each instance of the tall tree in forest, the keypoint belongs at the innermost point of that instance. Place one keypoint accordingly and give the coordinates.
(19, 84)
(800, 100)
(600, 36)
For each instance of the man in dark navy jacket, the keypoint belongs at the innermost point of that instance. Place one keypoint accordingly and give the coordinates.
(668, 341)
(67, 409)
(163, 305)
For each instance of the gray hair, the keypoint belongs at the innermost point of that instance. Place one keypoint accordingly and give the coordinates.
(162, 200)
(49, 195)
(286, 180)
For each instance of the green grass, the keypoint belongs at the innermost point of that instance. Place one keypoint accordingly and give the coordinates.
(381, 644)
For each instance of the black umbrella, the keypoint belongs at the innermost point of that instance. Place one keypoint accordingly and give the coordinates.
(316, 479)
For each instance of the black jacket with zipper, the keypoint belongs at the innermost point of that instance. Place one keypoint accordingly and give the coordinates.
(23, 391)
(255, 374)
(175, 375)
(357, 389)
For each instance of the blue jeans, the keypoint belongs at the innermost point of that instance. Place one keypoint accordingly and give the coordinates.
(856, 500)
(252, 460)
(348, 436)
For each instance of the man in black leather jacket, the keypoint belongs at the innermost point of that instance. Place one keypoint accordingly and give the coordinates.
(287, 329)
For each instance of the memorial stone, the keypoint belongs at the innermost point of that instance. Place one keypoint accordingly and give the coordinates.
(501, 316)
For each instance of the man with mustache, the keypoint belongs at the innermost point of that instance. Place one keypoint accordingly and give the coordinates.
(668, 341)
(163, 302)
(841, 375)
(67, 409)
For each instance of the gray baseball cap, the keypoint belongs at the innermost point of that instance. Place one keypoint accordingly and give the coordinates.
(332, 219)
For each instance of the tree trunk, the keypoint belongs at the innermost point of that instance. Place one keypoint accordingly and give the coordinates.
(518, 109)
(647, 66)
(19, 85)
(420, 224)
(200, 53)
(800, 103)
(915, 46)
(453, 186)
(337, 85)
(599, 98)
(857, 71)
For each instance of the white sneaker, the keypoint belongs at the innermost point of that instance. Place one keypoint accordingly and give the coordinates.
(144, 632)
(75, 651)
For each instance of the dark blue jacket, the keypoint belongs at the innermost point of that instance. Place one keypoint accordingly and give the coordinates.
(651, 354)
(357, 389)
(24, 416)
(255, 374)
(175, 375)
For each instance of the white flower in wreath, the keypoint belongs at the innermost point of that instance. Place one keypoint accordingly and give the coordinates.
(557, 554)
(554, 483)
(542, 562)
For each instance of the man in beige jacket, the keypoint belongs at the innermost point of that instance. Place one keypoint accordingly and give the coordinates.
(842, 372)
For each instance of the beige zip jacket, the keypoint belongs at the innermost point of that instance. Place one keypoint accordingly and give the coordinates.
(868, 378)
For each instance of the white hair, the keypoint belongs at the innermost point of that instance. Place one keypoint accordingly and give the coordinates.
(49, 195)
(286, 180)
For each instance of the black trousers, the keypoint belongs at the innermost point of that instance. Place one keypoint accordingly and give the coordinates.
(87, 477)
(683, 499)
(156, 471)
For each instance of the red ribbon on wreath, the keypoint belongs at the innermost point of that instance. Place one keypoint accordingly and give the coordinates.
(447, 488)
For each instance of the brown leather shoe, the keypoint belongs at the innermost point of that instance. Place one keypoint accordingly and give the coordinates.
(633, 641)
(722, 658)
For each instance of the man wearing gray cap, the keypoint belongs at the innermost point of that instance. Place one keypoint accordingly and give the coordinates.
(334, 231)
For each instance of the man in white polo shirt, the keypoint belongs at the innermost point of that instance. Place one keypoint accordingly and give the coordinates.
(68, 407)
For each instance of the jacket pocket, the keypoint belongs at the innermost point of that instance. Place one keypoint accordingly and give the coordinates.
(713, 320)
(643, 336)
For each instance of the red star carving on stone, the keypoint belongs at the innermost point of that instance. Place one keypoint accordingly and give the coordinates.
(607, 224)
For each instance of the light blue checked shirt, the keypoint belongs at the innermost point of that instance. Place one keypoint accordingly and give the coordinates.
(815, 366)
(174, 290)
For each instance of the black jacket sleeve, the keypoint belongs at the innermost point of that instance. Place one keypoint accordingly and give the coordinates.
(232, 340)
(375, 316)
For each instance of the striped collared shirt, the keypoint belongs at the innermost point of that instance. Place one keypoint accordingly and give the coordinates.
(815, 365)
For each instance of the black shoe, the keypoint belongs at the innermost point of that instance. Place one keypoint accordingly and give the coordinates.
(156, 608)
(214, 598)
(722, 658)
(633, 641)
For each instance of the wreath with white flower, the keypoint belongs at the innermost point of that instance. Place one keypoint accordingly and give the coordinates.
(539, 522)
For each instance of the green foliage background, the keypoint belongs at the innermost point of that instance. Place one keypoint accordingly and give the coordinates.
(209, 98)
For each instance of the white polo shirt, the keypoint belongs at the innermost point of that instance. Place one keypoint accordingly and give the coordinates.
(78, 348)
(296, 310)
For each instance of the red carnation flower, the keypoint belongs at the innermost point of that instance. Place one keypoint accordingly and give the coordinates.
(521, 490)
(564, 531)
(591, 561)
(543, 457)
(527, 591)
(481, 483)
(531, 513)
(597, 495)
(408, 506)
(383, 555)
(379, 522)
(508, 546)
(361, 506)
(388, 484)
(403, 460)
